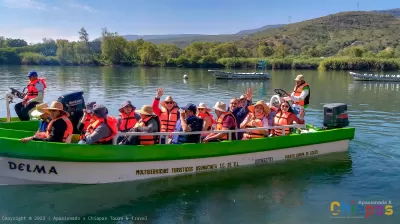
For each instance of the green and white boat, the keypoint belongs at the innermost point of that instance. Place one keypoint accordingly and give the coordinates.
(60, 163)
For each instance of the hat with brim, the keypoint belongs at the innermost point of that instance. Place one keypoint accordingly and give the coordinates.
(146, 110)
(100, 111)
(125, 104)
(168, 99)
(55, 105)
(267, 110)
(89, 107)
(204, 106)
(243, 97)
(220, 106)
(39, 110)
(299, 78)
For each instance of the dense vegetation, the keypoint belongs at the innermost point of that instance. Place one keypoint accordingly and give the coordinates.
(351, 40)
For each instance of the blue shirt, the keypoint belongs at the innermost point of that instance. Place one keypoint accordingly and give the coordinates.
(43, 125)
(195, 123)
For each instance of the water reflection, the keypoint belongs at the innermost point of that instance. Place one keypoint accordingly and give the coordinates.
(373, 86)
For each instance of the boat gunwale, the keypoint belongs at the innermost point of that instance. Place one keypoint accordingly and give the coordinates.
(164, 152)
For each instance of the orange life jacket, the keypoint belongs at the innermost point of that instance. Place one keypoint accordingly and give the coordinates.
(297, 92)
(31, 88)
(127, 121)
(111, 123)
(220, 121)
(203, 115)
(147, 139)
(281, 119)
(67, 131)
(86, 124)
(168, 119)
(255, 133)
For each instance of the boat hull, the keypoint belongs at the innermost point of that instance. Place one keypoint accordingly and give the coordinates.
(14, 171)
(374, 77)
(231, 75)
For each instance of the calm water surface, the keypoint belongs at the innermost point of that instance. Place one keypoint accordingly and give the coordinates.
(289, 192)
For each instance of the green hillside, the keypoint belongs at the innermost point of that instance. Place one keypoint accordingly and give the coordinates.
(328, 35)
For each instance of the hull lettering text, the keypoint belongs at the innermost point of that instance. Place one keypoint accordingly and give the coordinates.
(32, 168)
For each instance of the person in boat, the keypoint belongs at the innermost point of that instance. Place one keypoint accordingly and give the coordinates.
(168, 114)
(208, 120)
(148, 123)
(60, 127)
(44, 119)
(225, 121)
(260, 116)
(34, 96)
(286, 116)
(86, 119)
(188, 122)
(127, 117)
(240, 110)
(301, 94)
(103, 129)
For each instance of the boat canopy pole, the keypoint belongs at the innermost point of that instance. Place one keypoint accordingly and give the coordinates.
(161, 134)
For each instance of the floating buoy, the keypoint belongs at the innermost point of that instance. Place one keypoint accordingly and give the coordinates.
(185, 76)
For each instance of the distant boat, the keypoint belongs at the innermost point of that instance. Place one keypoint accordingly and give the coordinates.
(243, 75)
(375, 77)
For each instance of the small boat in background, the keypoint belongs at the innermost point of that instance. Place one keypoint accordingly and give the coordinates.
(375, 77)
(243, 75)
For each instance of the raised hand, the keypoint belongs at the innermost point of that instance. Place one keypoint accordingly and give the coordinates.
(249, 93)
(160, 92)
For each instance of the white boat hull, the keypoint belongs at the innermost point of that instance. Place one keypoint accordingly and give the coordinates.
(22, 171)
(231, 75)
(375, 77)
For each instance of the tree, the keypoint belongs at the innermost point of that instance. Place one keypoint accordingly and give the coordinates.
(265, 51)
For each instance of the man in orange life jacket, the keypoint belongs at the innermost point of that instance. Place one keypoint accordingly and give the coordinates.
(127, 117)
(168, 114)
(86, 119)
(301, 94)
(59, 128)
(225, 121)
(149, 123)
(34, 96)
(103, 129)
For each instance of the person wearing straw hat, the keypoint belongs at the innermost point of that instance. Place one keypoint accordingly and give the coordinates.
(34, 96)
(59, 128)
(225, 121)
(260, 116)
(301, 94)
(148, 123)
(127, 117)
(86, 119)
(44, 118)
(103, 129)
(188, 122)
(168, 114)
(240, 110)
(208, 120)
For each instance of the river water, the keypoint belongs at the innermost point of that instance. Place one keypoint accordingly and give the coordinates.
(289, 192)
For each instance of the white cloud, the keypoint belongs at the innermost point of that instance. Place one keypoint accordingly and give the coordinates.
(80, 6)
(24, 4)
(36, 34)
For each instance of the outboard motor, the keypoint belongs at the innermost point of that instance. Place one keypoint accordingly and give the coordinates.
(335, 115)
(74, 104)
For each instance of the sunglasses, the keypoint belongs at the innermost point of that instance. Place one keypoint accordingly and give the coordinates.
(233, 103)
(200, 108)
(285, 106)
(169, 102)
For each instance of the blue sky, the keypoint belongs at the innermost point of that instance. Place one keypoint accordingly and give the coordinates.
(34, 19)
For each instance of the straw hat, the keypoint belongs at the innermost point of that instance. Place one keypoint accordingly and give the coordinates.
(267, 110)
(126, 103)
(55, 105)
(167, 99)
(146, 110)
(220, 106)
(299, 78)
(39, 110)
(243, 97)
(204, 106)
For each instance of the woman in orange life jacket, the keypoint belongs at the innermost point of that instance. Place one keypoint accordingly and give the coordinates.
(34, 96)
(286, 116)
(148, 122)
(258, 117)
(208, 120)
(127, 117)
(86, 119)
(103, 129)
(59, 128)
(168, 114)
(225, 121)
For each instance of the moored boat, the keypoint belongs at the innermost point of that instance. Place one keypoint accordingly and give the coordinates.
(243, 75)
(375, 77)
